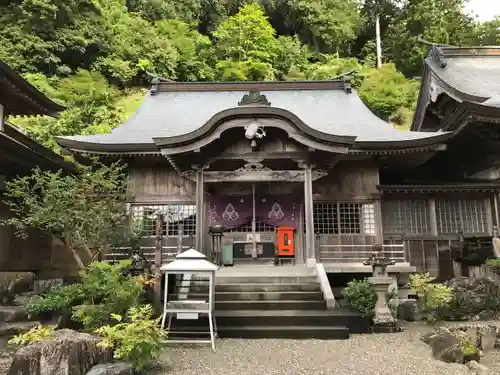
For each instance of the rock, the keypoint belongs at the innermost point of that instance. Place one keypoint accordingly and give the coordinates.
(483, 336)
(67, 352)
(8, 330)
(120, 368)
(487, 337)
(476, 298)
(446, 345)
(9, 314)
(12, 283)
(477, 368)
(408, 310)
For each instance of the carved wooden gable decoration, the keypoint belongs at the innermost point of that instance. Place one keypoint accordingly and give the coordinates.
(254, 98)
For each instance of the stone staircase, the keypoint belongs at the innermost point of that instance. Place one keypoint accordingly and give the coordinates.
(271, 304)
(13, 320)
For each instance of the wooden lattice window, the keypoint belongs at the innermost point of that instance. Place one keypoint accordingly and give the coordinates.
(470, 216)
(409, 216)
(260, 226)
(175, 217)
(344, 218)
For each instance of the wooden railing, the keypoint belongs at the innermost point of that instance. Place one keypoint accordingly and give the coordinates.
(168, 253)
(358, 253)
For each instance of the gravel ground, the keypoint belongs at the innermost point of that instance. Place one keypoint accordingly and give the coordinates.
(385, 354)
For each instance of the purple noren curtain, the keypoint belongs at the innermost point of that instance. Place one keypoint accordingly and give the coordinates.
(235, 211)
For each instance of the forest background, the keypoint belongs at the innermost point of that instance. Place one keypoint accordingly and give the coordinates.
(96, 57)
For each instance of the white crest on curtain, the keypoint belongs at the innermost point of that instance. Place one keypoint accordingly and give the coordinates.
(276, 212)
(230, 213)
(212, 213)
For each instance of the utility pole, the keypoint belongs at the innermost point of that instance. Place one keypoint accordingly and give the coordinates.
(377, 36)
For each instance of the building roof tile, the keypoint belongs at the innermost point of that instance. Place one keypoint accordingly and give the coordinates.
(175, 113)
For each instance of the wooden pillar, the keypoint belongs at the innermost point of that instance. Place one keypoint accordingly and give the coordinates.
(379, 225)
(489, 216)
(180, 235)
(495, 207)
(308, 215)
(433, 217)
(2, 118)
(199, 209)
(157, 264)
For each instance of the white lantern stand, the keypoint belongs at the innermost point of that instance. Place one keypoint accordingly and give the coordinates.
(190, 262)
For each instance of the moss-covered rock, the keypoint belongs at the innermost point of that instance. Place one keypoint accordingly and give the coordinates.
(67, 352)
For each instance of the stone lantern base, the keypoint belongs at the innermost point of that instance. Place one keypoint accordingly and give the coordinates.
(383, 321)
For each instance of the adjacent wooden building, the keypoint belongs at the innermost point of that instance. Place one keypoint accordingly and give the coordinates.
(19, 154)
(310, 155)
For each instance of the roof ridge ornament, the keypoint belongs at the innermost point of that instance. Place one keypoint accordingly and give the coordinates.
(436, 53)
(347, 84)
(254, 98)
(155, 81)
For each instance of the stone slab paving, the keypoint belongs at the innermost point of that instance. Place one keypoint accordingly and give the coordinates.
(387, 354)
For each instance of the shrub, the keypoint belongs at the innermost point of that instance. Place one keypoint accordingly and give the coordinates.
(108, 290)
(135, 338)
(360, 296)
(35, 334)
(104, 289)
(57, 300)
(494, 264)
(468, 348)
(432, 296)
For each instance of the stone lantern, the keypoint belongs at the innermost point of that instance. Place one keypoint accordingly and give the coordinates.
(383, 321)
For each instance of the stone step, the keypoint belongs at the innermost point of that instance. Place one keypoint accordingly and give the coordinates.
(270, 305)
(9, 314)
(254, 296)
(237, 318)
(263, 331)
(270, 296)
(265, 279)
(257, 279)
(12, 329)
(287, 332)
(9, 330)
(260, 287)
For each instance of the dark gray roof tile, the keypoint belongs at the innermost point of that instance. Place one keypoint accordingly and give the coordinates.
(474, 72)
(168, 114)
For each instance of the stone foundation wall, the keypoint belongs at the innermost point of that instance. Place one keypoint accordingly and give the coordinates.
(39, 252)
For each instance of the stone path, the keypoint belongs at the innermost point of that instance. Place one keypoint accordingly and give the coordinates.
(394, 354)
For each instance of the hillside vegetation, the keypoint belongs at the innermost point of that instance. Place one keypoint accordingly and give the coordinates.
(97, 56)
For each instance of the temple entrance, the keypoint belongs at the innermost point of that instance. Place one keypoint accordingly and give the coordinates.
(250, 214)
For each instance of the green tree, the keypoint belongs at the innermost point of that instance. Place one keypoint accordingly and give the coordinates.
(51, 36)
(136, 47)
(93, 107)
(327, 25)
(193, 50)
(246, 46)
(488, 33)
(421, 21)
(82, 210)
(292, 56)
(386, 91)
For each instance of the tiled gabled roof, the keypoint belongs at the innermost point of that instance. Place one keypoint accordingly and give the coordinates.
(328, 108)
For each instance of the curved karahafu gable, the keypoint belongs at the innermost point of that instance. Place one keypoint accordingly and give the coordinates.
(326, 112)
